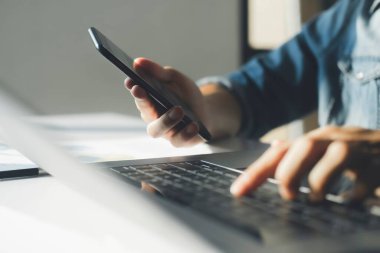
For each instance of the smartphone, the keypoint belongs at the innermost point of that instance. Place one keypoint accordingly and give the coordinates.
(162, 97)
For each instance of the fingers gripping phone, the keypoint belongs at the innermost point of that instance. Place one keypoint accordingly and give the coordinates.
(162, 97)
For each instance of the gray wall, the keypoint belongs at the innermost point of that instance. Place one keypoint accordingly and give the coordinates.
(47, 59)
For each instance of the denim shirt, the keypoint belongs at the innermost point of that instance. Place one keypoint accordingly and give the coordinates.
(332, 65)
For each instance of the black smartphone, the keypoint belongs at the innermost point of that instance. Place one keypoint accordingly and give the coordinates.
(162, 97)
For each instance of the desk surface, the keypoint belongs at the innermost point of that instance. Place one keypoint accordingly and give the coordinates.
(40, 214)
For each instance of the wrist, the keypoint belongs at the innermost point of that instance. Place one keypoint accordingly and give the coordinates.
(224, 114)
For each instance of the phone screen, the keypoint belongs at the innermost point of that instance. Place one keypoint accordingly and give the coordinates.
(163, 98)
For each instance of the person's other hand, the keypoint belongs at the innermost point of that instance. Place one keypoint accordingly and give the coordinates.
(320, 156)
(164, 125)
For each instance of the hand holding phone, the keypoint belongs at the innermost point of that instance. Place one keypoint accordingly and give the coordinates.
(162, 97)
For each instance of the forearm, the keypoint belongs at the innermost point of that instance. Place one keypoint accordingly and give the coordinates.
(223, 110)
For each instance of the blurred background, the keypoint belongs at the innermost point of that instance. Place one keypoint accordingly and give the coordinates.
(48, 60)
(47, 57)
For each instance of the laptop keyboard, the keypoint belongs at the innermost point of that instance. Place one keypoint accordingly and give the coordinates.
(205, 187)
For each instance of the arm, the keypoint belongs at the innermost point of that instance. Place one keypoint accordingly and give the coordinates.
(325, 153)
(268, 91)
(224, 108)
(283, 85)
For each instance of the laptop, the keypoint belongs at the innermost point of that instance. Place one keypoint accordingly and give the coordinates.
(186, 199)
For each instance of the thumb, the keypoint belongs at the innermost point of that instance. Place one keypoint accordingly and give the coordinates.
(147, 67)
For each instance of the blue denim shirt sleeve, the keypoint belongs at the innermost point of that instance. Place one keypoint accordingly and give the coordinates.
(282, 85)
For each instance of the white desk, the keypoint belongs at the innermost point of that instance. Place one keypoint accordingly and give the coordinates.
(42, 215)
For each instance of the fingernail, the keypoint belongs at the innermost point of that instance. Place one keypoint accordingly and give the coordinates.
(275, 143)
(238, 185)
(286, 194)
(175, 113)
(127, 83)
(236, 188)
